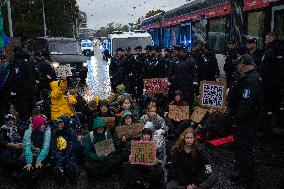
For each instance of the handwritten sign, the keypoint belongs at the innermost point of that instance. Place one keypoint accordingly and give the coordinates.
(143, 152)
(110, 122)
(156, 85)
(63, 70)
(198, 114)
(178, 113)
(213, 95)
(104, 147)
(129, 130)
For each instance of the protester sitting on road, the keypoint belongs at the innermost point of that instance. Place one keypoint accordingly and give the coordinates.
(100, 164)
(125, 103)
(11, 147)
(36, 146)
(189, 169)
(60, 105)
(159, 126)
(144, 176)
(63, 151)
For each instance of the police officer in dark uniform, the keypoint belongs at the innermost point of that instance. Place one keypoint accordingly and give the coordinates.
(229, 67)
(183, 74)
(212, 71)
(130, 69)
(139, 69)
(200, 60)
(254, 51)
(244, 103)
(272, 73)
(117, 69)
(148, 59)
(167, 58)
(158, 68)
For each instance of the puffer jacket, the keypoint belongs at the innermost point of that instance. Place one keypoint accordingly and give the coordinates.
(59, 104)
(31, 149)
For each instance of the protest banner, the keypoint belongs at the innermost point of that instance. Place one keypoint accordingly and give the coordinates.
(178, 113)
(110, 122)
(213, 95)
(156, 86)
(143, 152)
(198, 114)
(129, 130)
(63, 70)
(104, 147)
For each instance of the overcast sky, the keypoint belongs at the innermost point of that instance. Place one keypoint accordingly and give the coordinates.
(101, 12)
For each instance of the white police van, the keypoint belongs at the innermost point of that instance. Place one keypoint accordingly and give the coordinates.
(131, 39)
(87, 47)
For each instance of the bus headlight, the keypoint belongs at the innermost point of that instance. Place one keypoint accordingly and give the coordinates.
(85, 64)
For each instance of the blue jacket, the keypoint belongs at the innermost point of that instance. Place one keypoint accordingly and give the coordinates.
(30, 150)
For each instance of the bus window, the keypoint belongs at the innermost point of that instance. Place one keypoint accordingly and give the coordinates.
(217, 34)
(279, 23)
(255, 27)
(175, 35)
(166, 37)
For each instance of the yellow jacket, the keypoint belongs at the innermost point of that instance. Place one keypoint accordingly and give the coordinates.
(59, 104)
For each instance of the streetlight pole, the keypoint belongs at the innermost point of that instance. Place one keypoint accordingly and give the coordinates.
(43, 15)
(10, 18)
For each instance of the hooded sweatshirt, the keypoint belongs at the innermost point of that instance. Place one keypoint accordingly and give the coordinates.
(89, 145)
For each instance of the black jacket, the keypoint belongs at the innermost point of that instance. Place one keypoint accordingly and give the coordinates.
(158, 68)
(272, 66)
(187, 169)
(245, 97)
(200, 59)
(229, 66)
(211, 67)
(117, 71)
(182, 73)
(257, 57)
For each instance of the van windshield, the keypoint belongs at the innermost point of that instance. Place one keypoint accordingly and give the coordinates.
(64, 47)
(87, 44)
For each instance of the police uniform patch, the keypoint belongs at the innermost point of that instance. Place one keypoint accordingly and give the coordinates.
(246, 93)
(61, 143)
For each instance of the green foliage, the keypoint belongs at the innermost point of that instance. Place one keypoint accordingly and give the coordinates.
(111, 27)
(28, 20)
(153, 13)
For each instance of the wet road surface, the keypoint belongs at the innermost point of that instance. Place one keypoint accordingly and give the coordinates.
(98, 82)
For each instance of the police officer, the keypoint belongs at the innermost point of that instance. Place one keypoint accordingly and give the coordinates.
(200, 60)
(271, 70)
(254, 51)
(117, 69)
(148, 59)
(229, 67)
(244, 101)
(183, 74)
(130, 69)
(212, 71)
(158, 68)
(139, 69)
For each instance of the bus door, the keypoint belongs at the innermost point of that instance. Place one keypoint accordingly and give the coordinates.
(278, 21)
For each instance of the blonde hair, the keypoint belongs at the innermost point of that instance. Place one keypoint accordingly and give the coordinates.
(179, 145)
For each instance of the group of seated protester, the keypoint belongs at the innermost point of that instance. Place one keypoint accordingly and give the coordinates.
(54, 144)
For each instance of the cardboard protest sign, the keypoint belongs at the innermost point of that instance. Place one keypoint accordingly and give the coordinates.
(198, 114)
(63, 70)
(178, 113)
(110, 122)
(156, 85)
(143, 152)
(129, 130)
(213, 95)
(104, 147)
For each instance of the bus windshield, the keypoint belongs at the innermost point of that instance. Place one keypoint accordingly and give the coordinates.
(64, 47)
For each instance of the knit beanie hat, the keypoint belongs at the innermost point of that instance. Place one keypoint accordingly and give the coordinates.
(38, 121)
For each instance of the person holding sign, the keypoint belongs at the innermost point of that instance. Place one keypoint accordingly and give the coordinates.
(59, 104)
(143, 176)
(99, 147)
(189, 168)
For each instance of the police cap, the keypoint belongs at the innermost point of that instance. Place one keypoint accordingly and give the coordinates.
(244, 59)
(252, 40)
(119, 49)
(138, 48)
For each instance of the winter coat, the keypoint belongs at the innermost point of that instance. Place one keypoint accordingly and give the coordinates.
(229, 66)
(158, 68)
(89, 146)
(186, 169)
(9, 135)
(59, 104)
(159, 123)
(117, 71)
(211, 67)
(36, 148)
(199, 59)
(182, 73)
(257, 57)
(63, 143)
